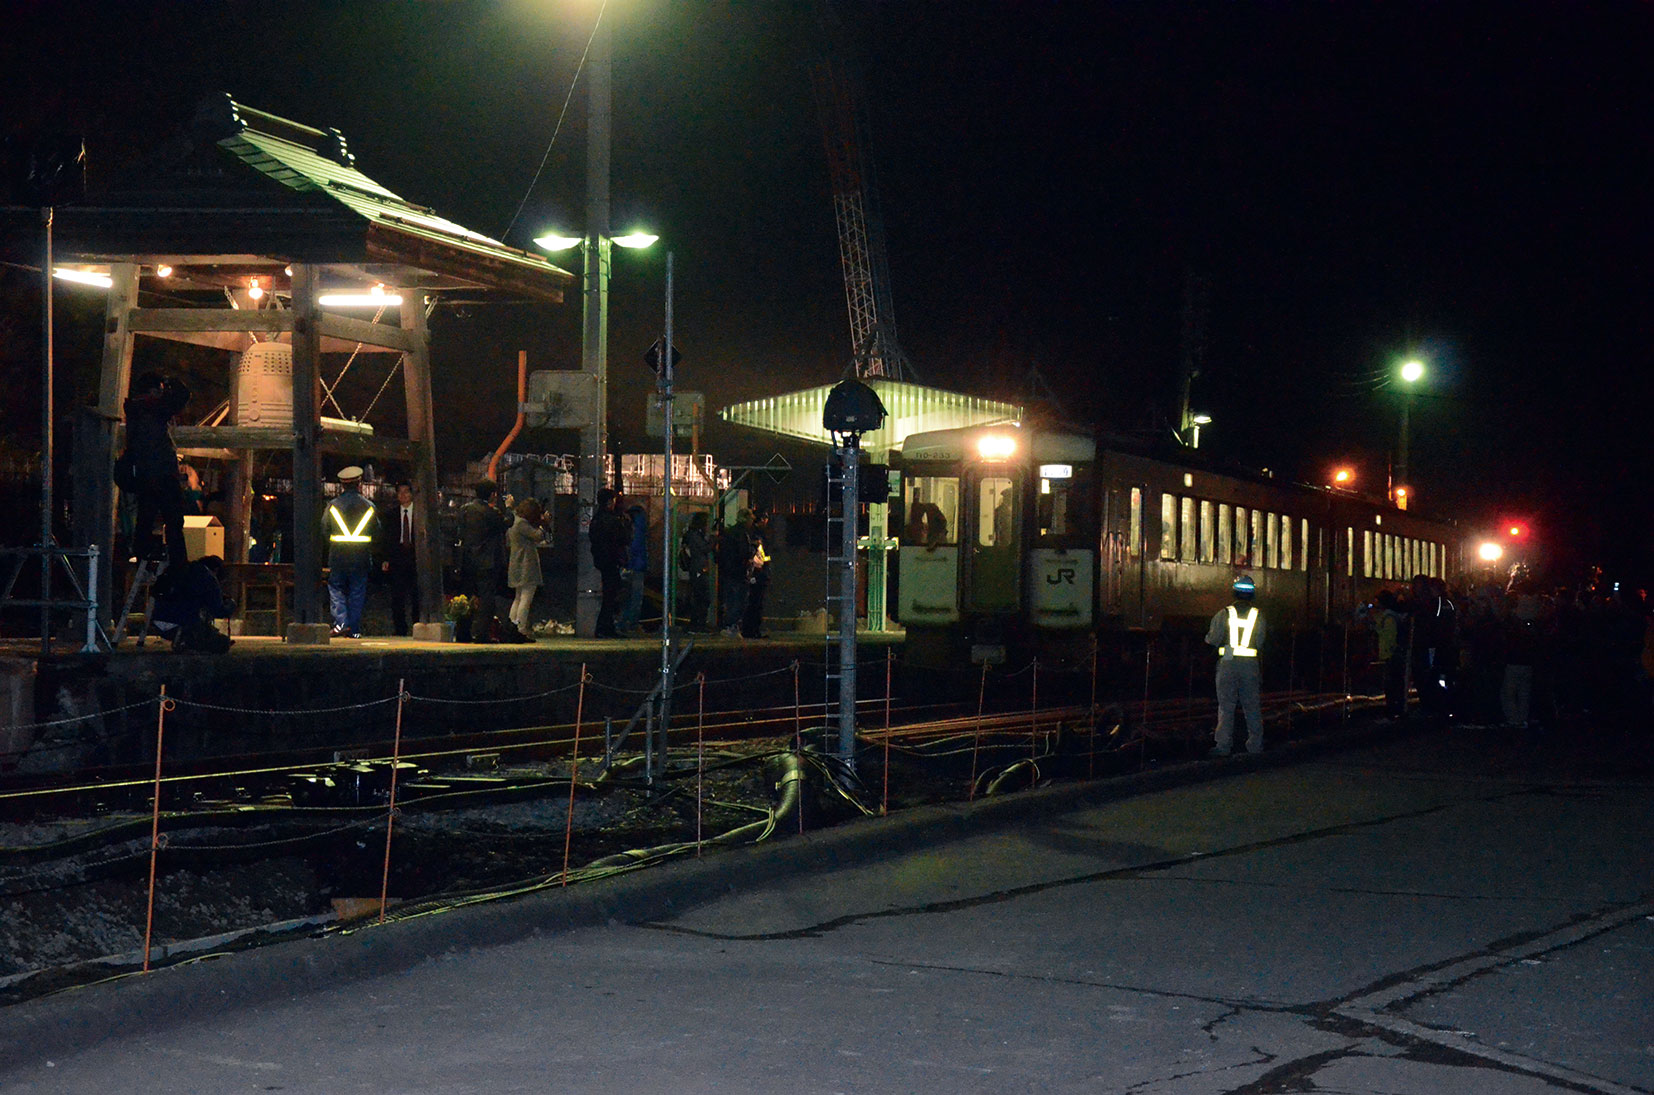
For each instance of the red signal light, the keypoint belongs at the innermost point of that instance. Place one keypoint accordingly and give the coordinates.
(1516, 530)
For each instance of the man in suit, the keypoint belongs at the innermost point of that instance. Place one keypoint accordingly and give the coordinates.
(482, 525)
(396, 553)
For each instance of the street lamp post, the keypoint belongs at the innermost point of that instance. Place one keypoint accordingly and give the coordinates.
(594, 331)
(1411, 373)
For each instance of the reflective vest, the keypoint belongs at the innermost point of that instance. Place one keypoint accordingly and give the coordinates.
(347, 535)
(1240, 634)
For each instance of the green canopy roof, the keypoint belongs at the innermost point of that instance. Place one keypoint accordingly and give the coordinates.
(911, 408)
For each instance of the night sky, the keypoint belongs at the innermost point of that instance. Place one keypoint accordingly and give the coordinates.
(1353, 183)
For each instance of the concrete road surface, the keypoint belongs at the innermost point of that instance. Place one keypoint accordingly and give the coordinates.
(1441, 914)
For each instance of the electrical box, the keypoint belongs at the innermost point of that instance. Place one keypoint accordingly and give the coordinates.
(203, 535)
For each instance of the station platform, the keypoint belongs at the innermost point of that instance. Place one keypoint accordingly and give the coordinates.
(77, 712)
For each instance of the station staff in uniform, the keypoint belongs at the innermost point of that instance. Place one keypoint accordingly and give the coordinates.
(1238, 633)
(352, 526)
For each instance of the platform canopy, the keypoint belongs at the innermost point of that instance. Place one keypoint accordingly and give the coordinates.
(911, 408)
(245, 229)
(240, 196)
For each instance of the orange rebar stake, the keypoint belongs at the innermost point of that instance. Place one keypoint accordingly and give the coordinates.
(574, 772)
(798, 714)
(155, 819)
(976, 745)
(1033, 729)
(390, 808)
(884, 803)
(1092, 739)
(700, 758)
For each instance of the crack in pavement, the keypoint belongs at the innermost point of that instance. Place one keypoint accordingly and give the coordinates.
(825, 927)
(1379, 1005)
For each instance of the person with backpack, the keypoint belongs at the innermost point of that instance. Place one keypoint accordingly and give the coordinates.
(184, 611)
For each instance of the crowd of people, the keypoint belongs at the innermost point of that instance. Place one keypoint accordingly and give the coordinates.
(1514, 654)
(735, 556)
(500, 543)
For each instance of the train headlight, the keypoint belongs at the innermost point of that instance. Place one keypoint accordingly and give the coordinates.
(1490, 552)
(996, 446)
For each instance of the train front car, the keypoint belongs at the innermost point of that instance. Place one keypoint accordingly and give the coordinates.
(998, 544)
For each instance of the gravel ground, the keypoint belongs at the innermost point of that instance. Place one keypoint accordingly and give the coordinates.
(91, 904)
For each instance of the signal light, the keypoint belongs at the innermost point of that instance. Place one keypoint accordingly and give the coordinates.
(1516, 530)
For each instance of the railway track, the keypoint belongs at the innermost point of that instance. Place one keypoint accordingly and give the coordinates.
(359, 777)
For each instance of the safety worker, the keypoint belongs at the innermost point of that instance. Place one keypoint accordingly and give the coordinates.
(1238, 633)
(352, 526)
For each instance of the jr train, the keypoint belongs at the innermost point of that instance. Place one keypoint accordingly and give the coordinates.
(1033, 539)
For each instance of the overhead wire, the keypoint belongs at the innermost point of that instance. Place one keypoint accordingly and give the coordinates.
(561, 114)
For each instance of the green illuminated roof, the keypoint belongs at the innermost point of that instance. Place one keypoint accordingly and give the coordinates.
(911, 408)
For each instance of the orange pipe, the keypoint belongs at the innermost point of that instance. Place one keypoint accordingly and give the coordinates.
(517, 427)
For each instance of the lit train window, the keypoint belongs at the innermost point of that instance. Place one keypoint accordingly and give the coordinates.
(1430, 559)
(996, 504)
(1349, 552)
(1135, 528)
(1271, 541)
(1286, 542)
(1367, 557)
(1224, 553)
(1208, 534)
(1256, 556)
(1168, 526)
(1242, 557)
(1187, 506)
(1063, 508)
(932, 511)
(1416, 565)
(1303, 541)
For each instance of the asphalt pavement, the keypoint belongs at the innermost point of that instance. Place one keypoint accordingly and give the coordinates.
(1445, 912)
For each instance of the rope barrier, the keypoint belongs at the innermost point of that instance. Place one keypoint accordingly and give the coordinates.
(364, 705)
(74, 719)
(526, 698)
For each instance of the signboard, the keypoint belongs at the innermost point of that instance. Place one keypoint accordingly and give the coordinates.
(688, 414)
(652, 355)
(561, 399)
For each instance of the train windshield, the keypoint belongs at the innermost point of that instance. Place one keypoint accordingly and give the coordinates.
(932, 510)
(1064, 510)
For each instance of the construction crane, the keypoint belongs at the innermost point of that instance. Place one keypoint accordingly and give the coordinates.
(877, 353)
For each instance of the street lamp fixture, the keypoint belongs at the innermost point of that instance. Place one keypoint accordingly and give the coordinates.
(1195, 422)
(1344, 478)
(1412, 371)
(553, 241)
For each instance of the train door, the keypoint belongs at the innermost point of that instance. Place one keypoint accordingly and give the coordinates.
(1122, 554)
(993, 543)
(928, 595)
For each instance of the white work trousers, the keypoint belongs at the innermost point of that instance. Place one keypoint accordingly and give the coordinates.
(1238, 685)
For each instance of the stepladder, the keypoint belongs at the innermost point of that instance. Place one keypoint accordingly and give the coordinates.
(143, 585)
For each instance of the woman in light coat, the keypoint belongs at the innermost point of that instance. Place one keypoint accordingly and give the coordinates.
(524, 541)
